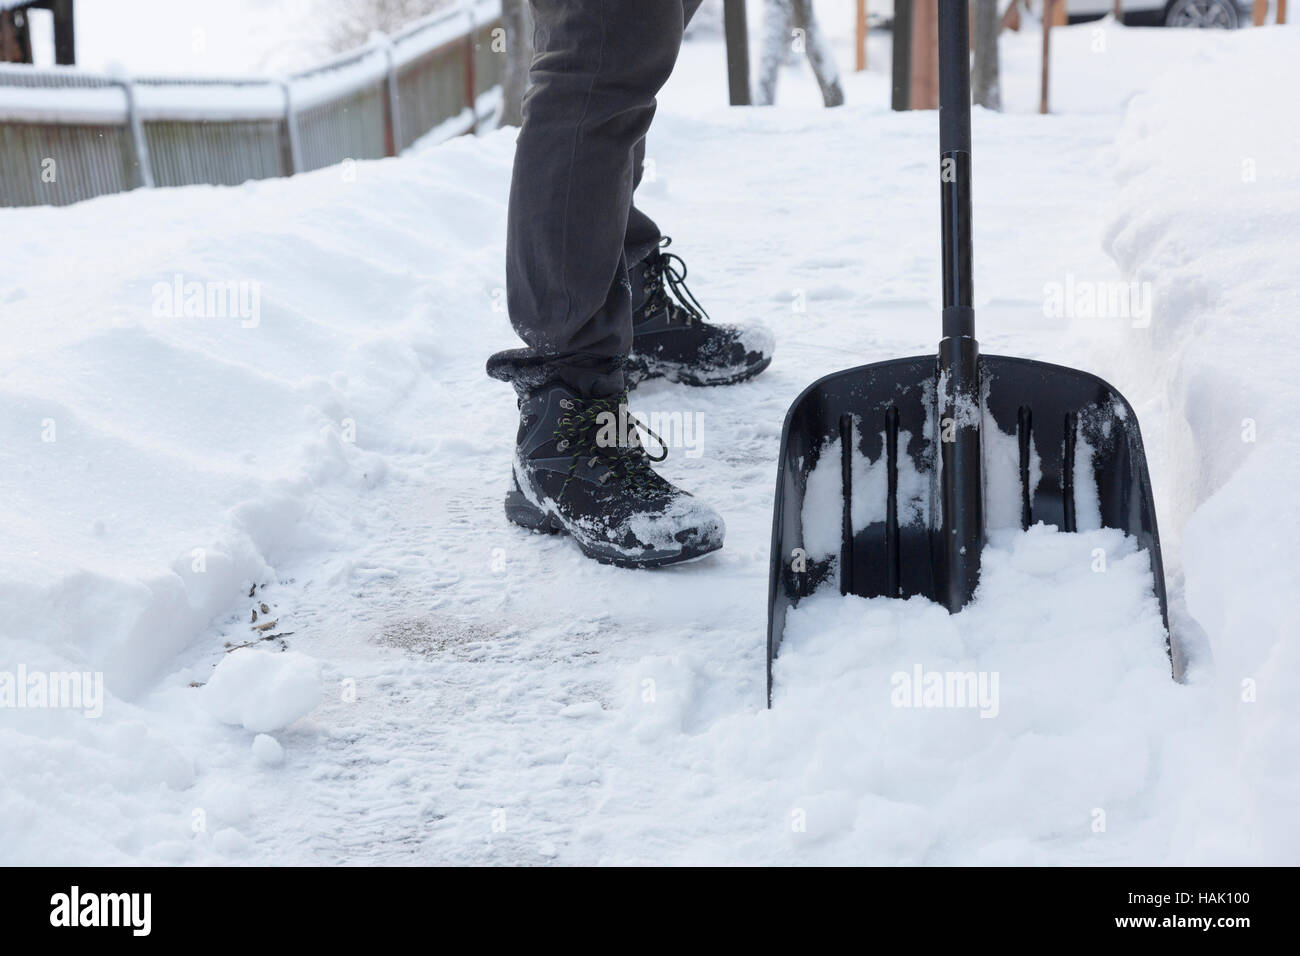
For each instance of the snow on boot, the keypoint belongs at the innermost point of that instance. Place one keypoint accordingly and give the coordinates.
(673, 337)
(575, 473)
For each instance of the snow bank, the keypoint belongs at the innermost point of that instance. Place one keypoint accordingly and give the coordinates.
(208, 394)
(153, 456)
(1212, 222)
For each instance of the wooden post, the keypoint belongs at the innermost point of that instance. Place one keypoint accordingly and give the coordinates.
(737, 33)
(1281, 11)
(471, 80)
(862, 36)
(925, 55)
(1011, 19)
(15, 37)
(1049, 14)
(1260, 12)
(65, 45)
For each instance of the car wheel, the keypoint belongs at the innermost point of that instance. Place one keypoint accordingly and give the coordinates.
(1203, 14)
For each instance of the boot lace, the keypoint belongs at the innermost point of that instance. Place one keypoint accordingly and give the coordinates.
(665, 281)
(579, 431)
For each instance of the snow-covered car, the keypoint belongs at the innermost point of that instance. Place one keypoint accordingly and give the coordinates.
(1205, 14)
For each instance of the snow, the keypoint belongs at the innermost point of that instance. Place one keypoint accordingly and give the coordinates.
(263, 691)
(332, 82)
(215, 99)
(267, 750)
(335, 461)
(989, 737)
(105, 105)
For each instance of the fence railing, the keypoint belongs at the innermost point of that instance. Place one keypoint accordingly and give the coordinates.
(67, 134)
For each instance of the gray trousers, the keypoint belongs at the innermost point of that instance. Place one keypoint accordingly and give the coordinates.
(573, 231)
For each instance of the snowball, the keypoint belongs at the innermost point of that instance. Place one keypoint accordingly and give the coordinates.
(263, 690)
(268, 751)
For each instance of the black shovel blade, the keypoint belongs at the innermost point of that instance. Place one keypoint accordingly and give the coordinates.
(858, 487)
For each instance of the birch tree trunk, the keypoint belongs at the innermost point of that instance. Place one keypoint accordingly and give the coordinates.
(820, 55)
(780, 18)
(985, 88)
(777, 18)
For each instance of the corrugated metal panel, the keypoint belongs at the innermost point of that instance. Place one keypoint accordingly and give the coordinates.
(347, 128)
(57, 165)
(430, 91)
(226, 154)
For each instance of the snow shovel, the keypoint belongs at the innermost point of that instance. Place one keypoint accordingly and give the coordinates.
(887, 470)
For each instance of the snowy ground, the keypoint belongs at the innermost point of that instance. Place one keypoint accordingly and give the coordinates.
(455, 690)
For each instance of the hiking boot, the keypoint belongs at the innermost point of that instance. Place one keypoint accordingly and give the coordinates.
(672, 336)
(571, 475)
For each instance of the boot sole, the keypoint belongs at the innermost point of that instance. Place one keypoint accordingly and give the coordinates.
(525, 514)
(654, 370)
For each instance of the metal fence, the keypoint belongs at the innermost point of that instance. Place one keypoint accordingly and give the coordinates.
(67, 134)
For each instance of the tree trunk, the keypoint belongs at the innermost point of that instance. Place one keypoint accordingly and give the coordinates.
(820, 55)
(517, 21)
(900, 66)
(777, 17)
(735, 29)
(1049, 11)
(925, 55)
(984, 78)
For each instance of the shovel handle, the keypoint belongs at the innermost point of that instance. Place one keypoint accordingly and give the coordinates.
(955, 168)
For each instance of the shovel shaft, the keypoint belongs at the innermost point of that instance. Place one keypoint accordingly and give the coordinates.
(961, 494)
(961, 524)
(958, 283)
(955, 168)
(954, 76)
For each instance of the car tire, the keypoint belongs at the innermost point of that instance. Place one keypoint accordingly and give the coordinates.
(1203, 14)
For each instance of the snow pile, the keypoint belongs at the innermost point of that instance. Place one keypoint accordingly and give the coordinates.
(263, 691)
(209, 398)
(930, 727)
(1213, 224)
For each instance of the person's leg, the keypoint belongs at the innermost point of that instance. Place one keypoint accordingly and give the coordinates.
(598, 66)
(643, 235)
(672, 335)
